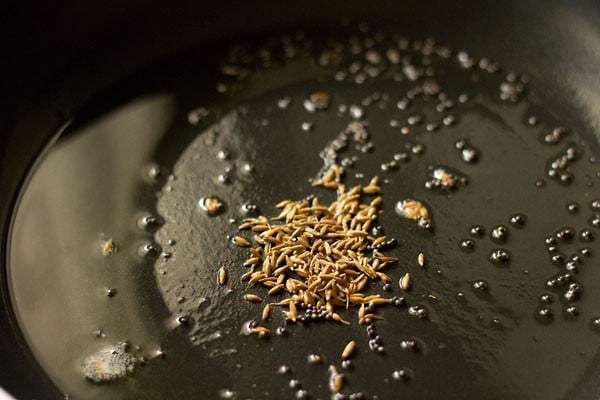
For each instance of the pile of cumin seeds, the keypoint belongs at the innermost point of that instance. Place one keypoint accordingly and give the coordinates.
(320, 254)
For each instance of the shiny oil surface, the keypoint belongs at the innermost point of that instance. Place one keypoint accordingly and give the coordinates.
(134, 154)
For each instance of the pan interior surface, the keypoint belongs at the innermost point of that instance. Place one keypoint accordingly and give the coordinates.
(110, 247)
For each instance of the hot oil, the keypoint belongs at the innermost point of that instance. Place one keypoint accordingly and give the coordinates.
(170, 173)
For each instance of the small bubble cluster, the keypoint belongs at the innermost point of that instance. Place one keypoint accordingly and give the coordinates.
(555, 135)
(477, 231)
(467, 245)
(499, 257)
(375, 341)
(445, 179)
(417, 311)
(559, 167)
(468, 153)
(411, 345)
(499, 234)
(513, 88)
(401, 375)
(518, 220)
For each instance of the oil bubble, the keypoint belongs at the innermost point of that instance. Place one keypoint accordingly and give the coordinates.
(307, 126)
(499, 234)
(499, 257)
(544, 315)
(586, 235)
(477, 231)
(223, 154)
(356, 111)
(595, 324)
(284, 102)
(594, 220)
(284, 369)
(153, 173)
(149, 223)
(149, 250)
(196, 115)
(571, 312)
(247, 168)
(518, 220)
(417, 311)
(249, 209)
(546, 298)
(227, 394)
(403, 104)
(572, 207)
(468, 153)
(402, 374)
(467, 245)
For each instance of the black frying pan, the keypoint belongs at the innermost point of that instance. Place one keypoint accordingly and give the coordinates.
(67, 59)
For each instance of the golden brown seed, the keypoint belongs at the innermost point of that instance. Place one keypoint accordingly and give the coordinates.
(260, 329)
(293, 314)
(245, 225)
(260, 228)
(256, 251)
(338, 318)
(383, 276)
(349, 349)
(376, 201)
(246, 276)
(283, 203)
(256, 277)
(212, 205)
(241, 241)
(421, 259)
(259, 240)
(109, 247)
(361, 310)
(338, 382)
(378, 241)
(252, 298)
(405, 281)
(373, 316)
(379, 301)
(222, 276)
(251, 261)
(266, 312)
